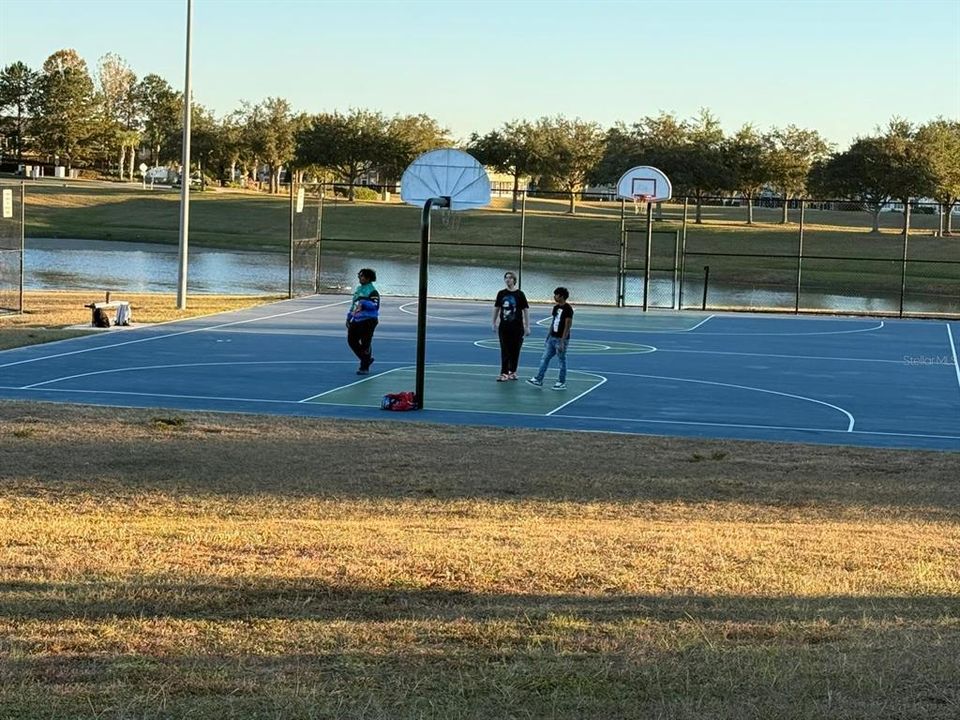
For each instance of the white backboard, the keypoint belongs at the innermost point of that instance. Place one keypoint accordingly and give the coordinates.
(446, 173)
(645, 180)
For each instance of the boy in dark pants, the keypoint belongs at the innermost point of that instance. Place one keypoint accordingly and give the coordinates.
(557, 339)
(362, 319)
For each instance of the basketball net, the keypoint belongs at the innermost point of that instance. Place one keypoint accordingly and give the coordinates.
(448, 219)
(638, 202)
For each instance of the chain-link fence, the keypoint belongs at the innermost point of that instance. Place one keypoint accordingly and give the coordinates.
(715, 253)
(11, 248)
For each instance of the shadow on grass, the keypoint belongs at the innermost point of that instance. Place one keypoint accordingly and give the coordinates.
(313, 600)
(117, 454)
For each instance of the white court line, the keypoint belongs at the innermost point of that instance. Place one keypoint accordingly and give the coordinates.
(543, 322)
(739, 334)
(588, 390)
(403, 309)
(584, 346)
(776, 355)
(186, 365)
(953, 349)
(362, 380)
(170, 335)
(746, 387)
(709, 317)
(504, 412)
(759, 427)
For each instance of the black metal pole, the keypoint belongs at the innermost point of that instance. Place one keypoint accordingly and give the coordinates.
(675, 299)
(796, 303)
(23, 198)
(622, 261)
(683, 251)
(422, 293)
(903, 266)
(290, 259)
(646, 269)
(706, 284)
(523, 229)
(317, 270)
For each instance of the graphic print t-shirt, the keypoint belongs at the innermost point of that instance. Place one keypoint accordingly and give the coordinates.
(562, 315)
(512, 303)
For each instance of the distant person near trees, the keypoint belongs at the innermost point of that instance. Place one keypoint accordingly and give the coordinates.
(362, 319)
(511, 322)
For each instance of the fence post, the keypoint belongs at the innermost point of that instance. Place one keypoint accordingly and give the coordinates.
(796, 305)
(675, 300)
(649, 256)
(319, 265)
(23, 205)
(622, 259)
(683, 250)
(706, 284)
(903, 265)
(290, 260)
(523, 228)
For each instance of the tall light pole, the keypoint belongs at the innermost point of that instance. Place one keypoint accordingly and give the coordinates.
(185, 178)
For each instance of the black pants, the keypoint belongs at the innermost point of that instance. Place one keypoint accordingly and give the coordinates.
(360, 340)
(511, 340)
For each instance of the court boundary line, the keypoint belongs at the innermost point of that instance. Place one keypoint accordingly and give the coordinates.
(362, 380)
(850, 425)
(881, 326)
(488, 412)
(165, 336)
(648, 349)
(765, 427)
(604, 379)
(402, 307)
(542, 322)
(585, 392)
(779, 355)
(431, 369)
(184, 365)
(953, 349)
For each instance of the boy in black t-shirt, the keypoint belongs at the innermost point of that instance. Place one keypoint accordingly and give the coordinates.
(511, 321)
(557, 339)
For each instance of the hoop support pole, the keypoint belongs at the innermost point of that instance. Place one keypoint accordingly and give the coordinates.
(442, 202)
(646, 268)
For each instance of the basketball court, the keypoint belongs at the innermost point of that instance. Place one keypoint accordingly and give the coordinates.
(850, 381)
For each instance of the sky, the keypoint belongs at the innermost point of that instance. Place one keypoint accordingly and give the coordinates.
(842, 67)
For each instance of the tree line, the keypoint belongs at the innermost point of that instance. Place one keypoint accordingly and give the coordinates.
(109, 119)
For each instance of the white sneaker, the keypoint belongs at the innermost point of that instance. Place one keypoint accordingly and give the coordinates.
(534, 381)
(559, 386)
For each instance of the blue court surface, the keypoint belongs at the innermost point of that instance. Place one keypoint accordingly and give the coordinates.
(847, 381)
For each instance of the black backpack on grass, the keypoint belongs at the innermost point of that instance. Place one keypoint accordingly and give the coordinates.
(100, 318)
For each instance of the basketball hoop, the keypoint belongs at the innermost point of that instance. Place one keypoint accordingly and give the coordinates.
(638, 201)
(448, 219)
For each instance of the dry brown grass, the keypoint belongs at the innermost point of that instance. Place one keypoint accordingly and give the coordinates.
(47, 316)
(161, 565)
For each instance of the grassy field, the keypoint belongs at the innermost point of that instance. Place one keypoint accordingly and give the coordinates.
(160, 565)
(48, 316)
(167, 565)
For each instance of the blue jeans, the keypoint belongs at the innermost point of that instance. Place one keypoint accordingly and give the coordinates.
(553, 347)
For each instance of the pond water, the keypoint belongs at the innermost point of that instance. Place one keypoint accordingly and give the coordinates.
(61, 264)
